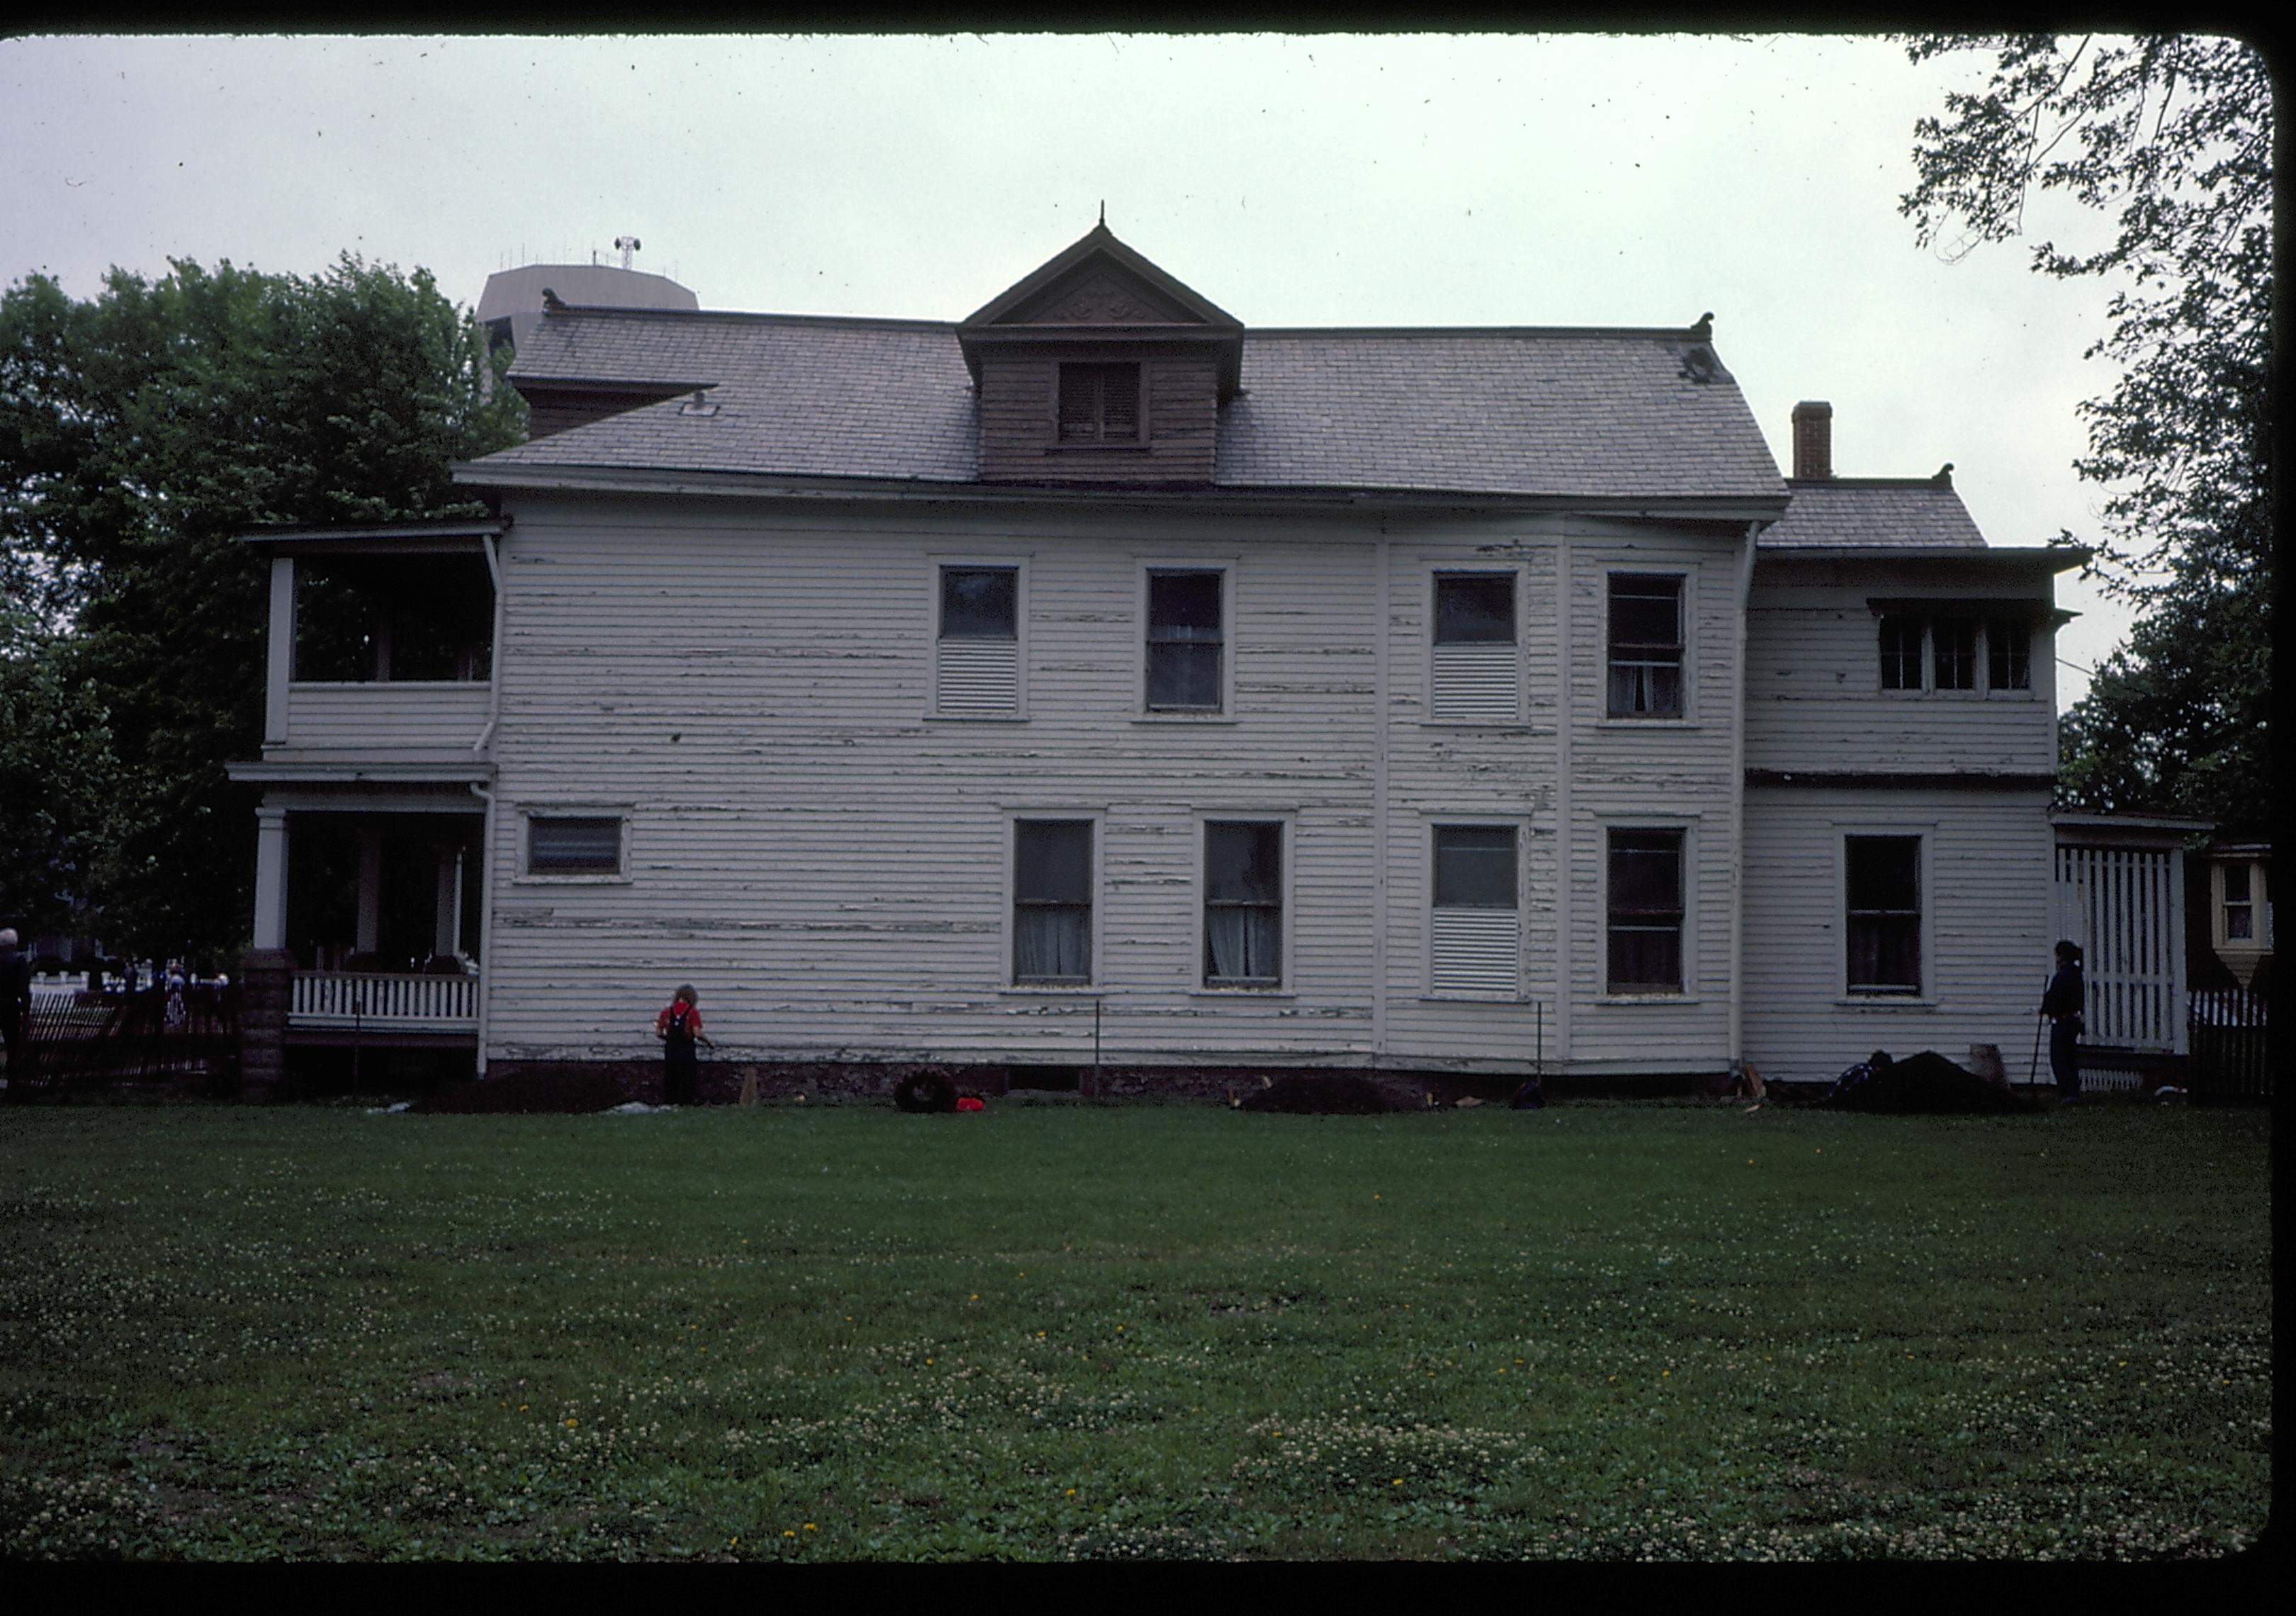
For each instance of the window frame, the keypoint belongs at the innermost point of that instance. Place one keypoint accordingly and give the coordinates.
(1981, 619)
(1147, 570)
(1985, 626)
(1925, 836)
(2258, 903)
(1438, 571)
(1684, 619)
(1684, 828)
(938, 562)
(1141, 438)
(1009, 981)
(622, 813)
(1286, 823)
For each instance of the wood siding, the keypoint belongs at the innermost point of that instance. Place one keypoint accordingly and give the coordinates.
(1813, 695)
(831, 867)
(1017, 390)
(407, 721)
(1987, 895)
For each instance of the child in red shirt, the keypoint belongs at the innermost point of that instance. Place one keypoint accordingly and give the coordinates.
(679, 1029)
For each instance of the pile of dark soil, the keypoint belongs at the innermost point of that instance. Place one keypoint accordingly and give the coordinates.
(1328, 1094)
(527, 1094)
(1926, 1084)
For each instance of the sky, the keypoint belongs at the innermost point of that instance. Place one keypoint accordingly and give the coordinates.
(1292, 179)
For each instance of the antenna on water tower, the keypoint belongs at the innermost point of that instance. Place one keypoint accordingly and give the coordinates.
(629, 244)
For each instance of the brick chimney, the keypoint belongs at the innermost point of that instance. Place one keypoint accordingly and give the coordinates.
(1813, 438)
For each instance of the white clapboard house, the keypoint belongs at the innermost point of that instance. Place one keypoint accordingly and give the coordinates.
(1097, 681)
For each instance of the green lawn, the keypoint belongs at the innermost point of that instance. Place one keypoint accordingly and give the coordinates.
(1057, 1330)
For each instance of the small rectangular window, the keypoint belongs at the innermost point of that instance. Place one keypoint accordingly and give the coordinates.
(1645, 911)
(1884, 902)
(2008, 654)
(1474, 866)
(1100, 403)
(1052, 900)
(980, 602)
(1475, 609)
(1243, 906)
(574, 846)
(1954, 653)
(1184, 642)
(1901, 652)
(1645, 647)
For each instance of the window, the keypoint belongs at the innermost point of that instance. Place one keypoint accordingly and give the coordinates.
(1901, 652)
(1474, 935)
(1884, 876)
(1052, 901)
(977, 660)
(1645, 911)
(1953, 645)
(2008, 654)
(1646, 646)
(572, 845)
(2239, 908)
(1243, 906)
(1100, 404)
(1474, 669)
(1184, 641)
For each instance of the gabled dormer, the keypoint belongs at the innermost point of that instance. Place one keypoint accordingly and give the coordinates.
(1099, 368)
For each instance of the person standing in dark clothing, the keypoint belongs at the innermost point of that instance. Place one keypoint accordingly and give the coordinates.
(679, 1029)
(15, 1007)
(2063, 1004)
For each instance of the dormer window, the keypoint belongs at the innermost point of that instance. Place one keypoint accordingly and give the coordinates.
(1100, 403)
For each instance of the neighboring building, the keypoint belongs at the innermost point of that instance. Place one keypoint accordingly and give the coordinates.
(2232, 935)
(1095, 679)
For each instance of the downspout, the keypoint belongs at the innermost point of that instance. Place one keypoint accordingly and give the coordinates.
(1563, 711)
(1381, 852)
(1737, 1030)
(483, 748)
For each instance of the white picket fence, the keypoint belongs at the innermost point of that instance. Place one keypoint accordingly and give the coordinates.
(383, 1001)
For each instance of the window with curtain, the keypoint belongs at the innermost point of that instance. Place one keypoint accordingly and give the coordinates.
(1646, 646)
(1244, 905)
(1052, 901)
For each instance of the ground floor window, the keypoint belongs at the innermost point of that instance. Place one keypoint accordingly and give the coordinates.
(1474, 932)
(585, 844)
(1244, 905)
(1645, 902)
(1052, 901)
(1883, 878)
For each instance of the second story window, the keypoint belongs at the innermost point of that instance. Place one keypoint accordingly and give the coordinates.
(1475, 675)
(977, 663)
(1186, 639)
(1100, 404)
(1901, 652)
(1954, 653)
(1646, 646)
(2008, 654)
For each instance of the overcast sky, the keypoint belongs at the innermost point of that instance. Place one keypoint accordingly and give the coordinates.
(1519, 180)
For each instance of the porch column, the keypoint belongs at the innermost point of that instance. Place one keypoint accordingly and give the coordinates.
(370, 892)
(447, 929)
(270, 878)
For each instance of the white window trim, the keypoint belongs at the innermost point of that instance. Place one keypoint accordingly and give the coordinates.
(1227, 567)
(2260, 908)
(1521, 826)
(1842, 830)
(530, 812)
(1689, 718)
(1286, 985)
(935, 562)
(1687, 824)
(1093, 986)
(1440, 570)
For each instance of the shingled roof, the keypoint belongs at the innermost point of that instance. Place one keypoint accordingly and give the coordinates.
(1857, 512)
(1597, 413)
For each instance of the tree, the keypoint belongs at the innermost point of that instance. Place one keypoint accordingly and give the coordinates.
(2171, 136)
(141, 432)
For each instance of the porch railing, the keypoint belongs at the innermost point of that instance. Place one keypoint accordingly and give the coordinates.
(383, 999)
